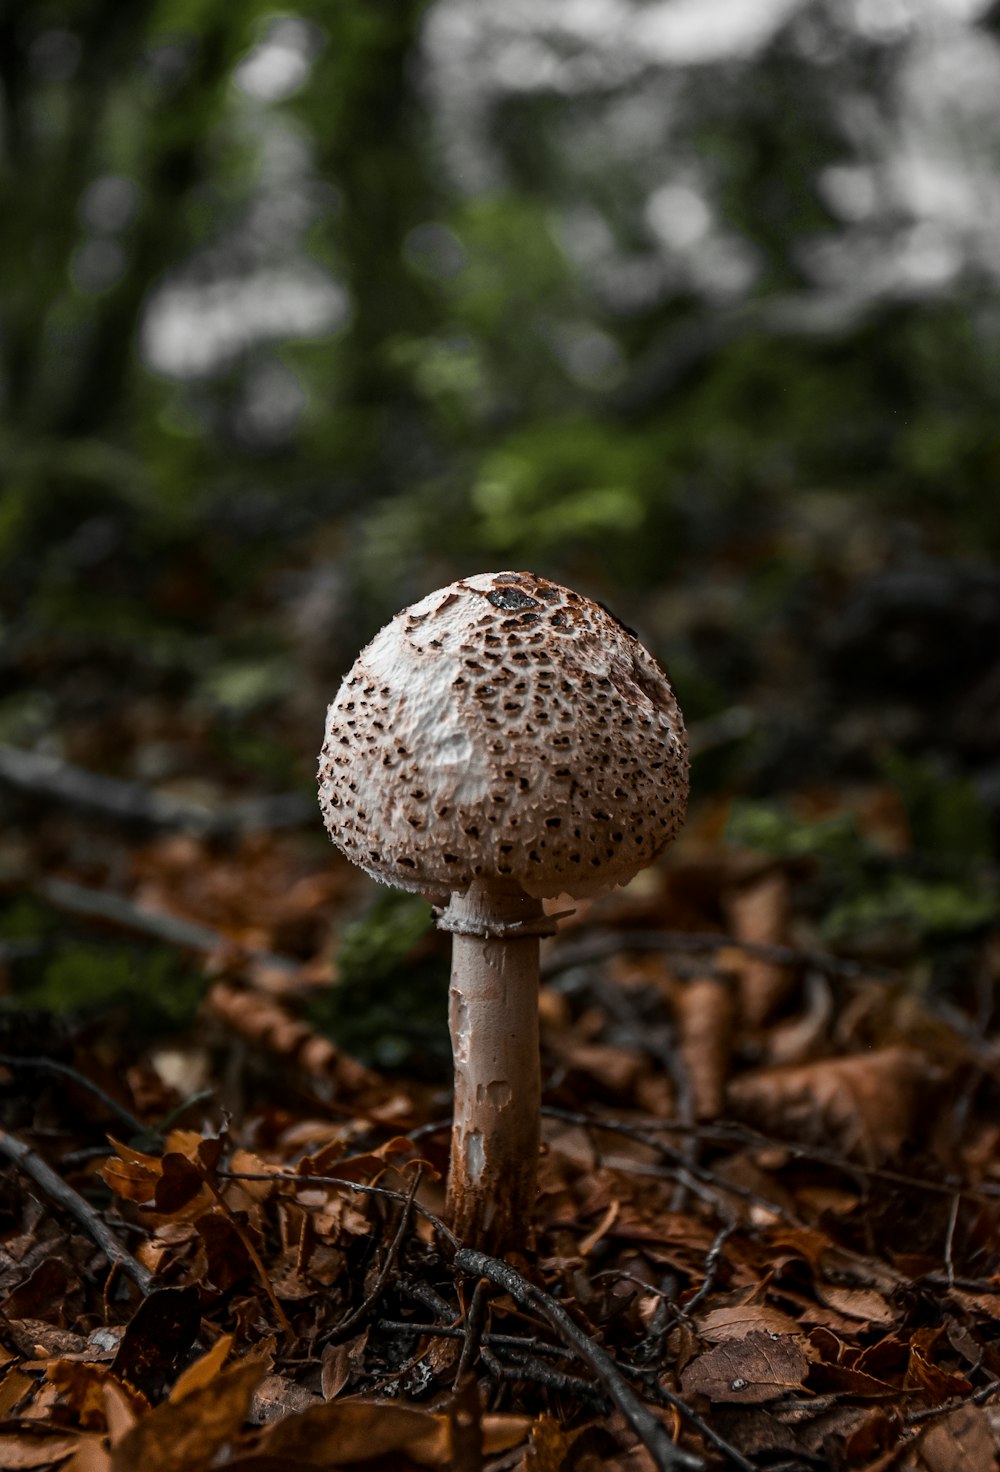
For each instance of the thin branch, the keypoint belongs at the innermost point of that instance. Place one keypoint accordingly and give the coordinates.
(599, 947)
(173, 930)
(307, 1178)
(32, 1164)
(667, 1398)
(532, 1369)
(390, 1257)
(63, 1070)
(475, 1323)
(949, 1240)
(682, 1167)
(666, 1454)
(132, 804)
(711, 1268)
(521, 1342)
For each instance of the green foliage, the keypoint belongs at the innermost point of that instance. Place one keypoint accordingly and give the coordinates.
(942, 890)
(947, 819)
(388, 1005)
(834, 842)
(77, 979)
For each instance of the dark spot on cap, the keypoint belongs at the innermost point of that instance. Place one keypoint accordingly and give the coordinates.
(510, 599)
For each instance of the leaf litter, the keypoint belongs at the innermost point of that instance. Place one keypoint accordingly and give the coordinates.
(767, 1215)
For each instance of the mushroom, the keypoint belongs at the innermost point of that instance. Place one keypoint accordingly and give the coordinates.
(502, 742)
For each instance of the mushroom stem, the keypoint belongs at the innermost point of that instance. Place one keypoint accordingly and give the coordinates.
(493, 1015)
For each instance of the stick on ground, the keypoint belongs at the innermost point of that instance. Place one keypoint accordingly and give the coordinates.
(668, 1456)
(32, 1164)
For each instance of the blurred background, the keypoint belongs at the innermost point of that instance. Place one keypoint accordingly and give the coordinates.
(692, 304)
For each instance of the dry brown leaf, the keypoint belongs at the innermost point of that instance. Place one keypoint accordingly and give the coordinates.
(758, 915)
(13, 1388)
(336, 1367)
(502, 1431)
(131, 1174)
(757, 1368)
(35, 1446)
(705, 1011)
(345, 1431)
(938, 1384)
(723, 1324)
(866, 1104)
(184, 1436)
(856, 1303)
(204, 1370)
(962, 1439)
(120, 1411)
(547, 1447)
(82, 1386)
(90, 1456)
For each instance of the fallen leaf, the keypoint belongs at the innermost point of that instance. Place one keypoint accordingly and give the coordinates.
(856, 1303)
(13, 1388)
(35, 1446)
(750, 1370)
(758, 915)
(204, 1370)
(705, 1008)
(722, 1324)
(184, 1435)
(865, 1104)
(962, 1439)
(82, 1385)
(162, 1329)
(345, 1431)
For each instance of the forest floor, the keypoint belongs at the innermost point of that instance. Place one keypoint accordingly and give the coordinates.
(769, 1191)
(770, 1182)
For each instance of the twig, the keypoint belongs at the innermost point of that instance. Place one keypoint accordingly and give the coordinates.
(682, 1166)
(520, 1342)
(665, 1453)
(598, 947)
(390, 1257)
(50, 1065)
(725, 1132)
(929, 1413)
(949, 1239)
(711, 1267)
(314, 1180)
(475, 1322)
(32, 1164)
(130, 803)
(100, 904)
(668, 1398)
(531, 1369)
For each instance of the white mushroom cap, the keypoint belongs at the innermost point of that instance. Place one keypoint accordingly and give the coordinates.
(507, 732)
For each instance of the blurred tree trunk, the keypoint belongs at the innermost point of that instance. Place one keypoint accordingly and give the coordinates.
(370, 145)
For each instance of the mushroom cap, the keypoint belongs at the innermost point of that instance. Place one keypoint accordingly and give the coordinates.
(509, 733)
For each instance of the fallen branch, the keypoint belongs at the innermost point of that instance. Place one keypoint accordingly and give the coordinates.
(130, 803)
(520, 1342)
(666, 1454)
(63, 1070)
(599, 947)
(173, 930)
(32, 1164)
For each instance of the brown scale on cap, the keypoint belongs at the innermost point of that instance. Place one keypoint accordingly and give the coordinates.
(509, 733)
